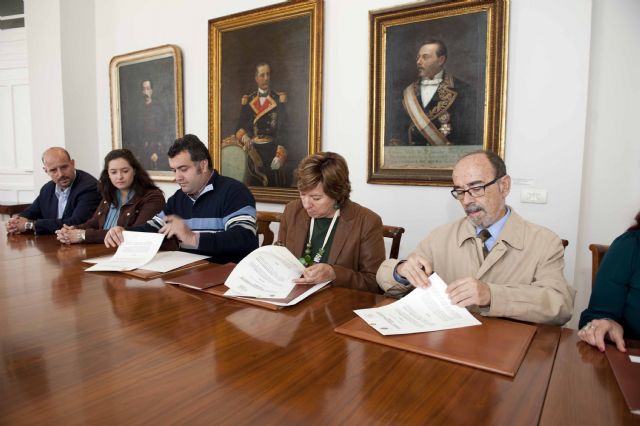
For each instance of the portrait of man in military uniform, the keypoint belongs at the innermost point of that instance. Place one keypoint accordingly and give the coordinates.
(259, 130)
(265, 97)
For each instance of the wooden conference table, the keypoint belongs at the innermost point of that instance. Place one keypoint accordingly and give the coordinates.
(101, 348)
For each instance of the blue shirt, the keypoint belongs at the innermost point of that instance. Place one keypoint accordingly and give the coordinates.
(495, 230)
(63, 196)
(114, 210)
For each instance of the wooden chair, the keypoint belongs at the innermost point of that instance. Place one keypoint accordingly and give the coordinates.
(264, 219)
(597, 253)
(395, 233)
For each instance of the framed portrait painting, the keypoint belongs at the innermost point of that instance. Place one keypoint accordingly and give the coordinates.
(437, 88)
(265, 76)
(146, 105)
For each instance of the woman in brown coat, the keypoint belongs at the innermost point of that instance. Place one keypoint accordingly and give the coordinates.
(129, 198)
(336, 239)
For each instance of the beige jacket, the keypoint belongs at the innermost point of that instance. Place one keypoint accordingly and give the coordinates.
(523, 271)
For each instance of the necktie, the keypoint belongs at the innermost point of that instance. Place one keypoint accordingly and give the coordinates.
(484, 235)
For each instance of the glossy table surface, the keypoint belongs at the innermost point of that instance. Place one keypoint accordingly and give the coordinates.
(101, 348)
(583, 389)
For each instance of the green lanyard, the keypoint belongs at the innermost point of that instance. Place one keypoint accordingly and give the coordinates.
(306, 259)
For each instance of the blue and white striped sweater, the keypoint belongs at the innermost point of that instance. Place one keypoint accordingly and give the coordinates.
(224, 214)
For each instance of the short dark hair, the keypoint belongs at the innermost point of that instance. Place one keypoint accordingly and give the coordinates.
(196, 148)
(141, 180)
(441, 50)
(329, 169)
(262, 64)
(496, 162)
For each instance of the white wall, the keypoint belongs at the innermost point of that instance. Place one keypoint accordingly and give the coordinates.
(42, 22)
(548, 95)
(78, 47)
(611, 183)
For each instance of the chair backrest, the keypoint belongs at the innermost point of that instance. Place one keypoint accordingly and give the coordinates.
(597, 253)
(264, 219)
(395, 233)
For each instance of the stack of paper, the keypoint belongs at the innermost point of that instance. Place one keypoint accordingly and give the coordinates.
(140, 251)
(267, 274)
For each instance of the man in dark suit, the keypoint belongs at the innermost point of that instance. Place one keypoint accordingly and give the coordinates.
(260, 130)
(439, 109)
(69, 199)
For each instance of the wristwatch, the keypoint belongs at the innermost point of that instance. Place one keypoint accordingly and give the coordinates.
(83, 234)
(28, 226)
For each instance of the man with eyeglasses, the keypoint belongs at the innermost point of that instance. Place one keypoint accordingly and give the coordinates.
(494, 261)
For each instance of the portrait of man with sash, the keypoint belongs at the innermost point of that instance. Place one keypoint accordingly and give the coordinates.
(439, 107)
(437, 89)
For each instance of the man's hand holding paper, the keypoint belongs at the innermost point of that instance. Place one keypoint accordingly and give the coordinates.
(416, 269)
(422, 310)
(175, 226)
(463, 292)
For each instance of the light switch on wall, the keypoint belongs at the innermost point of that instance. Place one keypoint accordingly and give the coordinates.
(533, 195)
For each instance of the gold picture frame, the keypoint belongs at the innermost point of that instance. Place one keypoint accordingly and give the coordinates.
(416, 142)
(146, 105)
(261, 139)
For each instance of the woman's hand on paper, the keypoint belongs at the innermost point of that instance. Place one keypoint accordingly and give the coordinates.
(114, 237)
(315, 274)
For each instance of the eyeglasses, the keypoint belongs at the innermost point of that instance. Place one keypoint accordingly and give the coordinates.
(475, 192)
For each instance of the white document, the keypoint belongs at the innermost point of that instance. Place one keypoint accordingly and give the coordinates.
(421, 310)
(165, 261)
(137, 249)
(634, 358)
(267, 272)
(312, 289)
